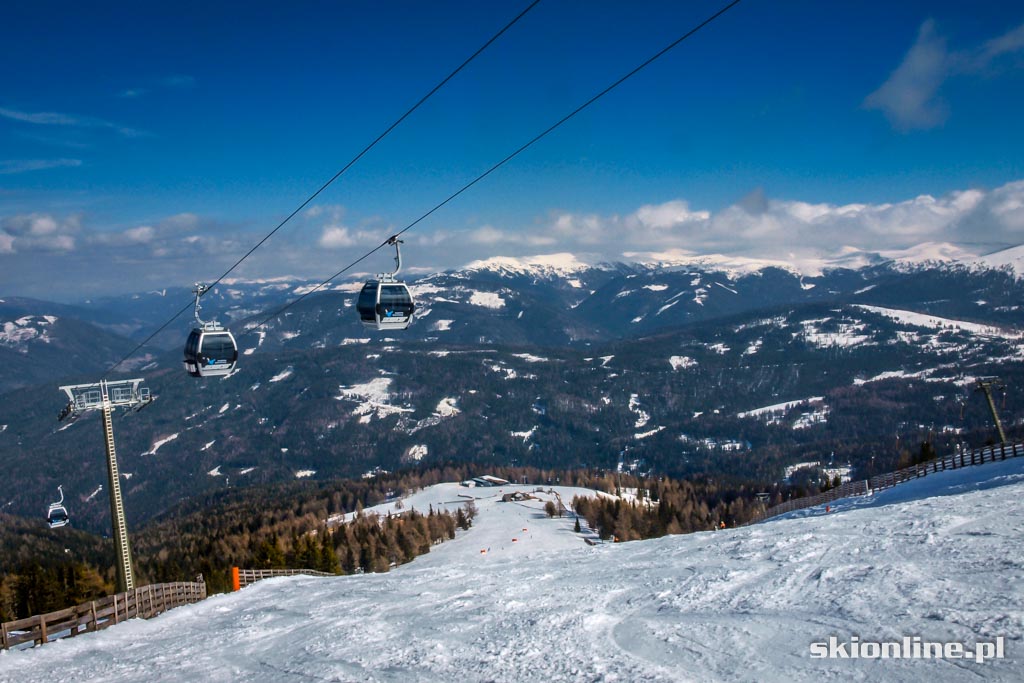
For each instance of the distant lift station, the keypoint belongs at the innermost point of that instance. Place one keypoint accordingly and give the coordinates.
(105, 397)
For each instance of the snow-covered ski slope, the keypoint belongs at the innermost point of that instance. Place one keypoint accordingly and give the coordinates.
(735, 605)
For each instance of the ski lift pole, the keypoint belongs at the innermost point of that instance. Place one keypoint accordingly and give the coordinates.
(125, 577)
(986, 386)
(398, 253)
(105, 397)
(199, 290)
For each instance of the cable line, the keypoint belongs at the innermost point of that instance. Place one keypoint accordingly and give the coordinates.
(511, 156)
(336, 175)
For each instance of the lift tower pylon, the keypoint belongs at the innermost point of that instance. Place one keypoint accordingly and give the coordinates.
(105, 397)
(986, 385)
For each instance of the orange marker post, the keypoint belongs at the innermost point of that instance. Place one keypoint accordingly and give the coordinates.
(236, 582)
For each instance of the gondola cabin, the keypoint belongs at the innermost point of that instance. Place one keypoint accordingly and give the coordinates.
(385, 305)
(57, 516)
(210, 351)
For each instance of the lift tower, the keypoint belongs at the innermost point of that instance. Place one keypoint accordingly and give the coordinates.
(986, 384)
(105, 396)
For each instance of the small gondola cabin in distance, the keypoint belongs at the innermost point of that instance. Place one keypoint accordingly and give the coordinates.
(57, 514)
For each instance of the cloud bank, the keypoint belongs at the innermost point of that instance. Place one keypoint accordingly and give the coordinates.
(40, 250)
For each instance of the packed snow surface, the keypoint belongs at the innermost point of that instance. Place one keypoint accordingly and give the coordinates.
(732, 605)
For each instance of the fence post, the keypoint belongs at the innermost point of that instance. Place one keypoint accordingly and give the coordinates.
(94, 623)
(3, 637)
(74, 627)
(42, 629)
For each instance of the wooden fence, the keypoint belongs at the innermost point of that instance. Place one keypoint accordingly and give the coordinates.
(863, 487)
(243, 577)
(144, 602)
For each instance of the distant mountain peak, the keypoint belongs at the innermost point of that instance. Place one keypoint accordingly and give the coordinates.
(733, 266)
(924, 255)
(1011, 259)
(927, 255)
(542, 265)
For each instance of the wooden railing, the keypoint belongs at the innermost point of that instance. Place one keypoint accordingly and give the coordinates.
(243, 577)
(883, 481)
(144, 602)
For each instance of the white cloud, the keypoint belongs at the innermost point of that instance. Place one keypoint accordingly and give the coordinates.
(910, 99)
(668, 215)
(37, 232)
(185, 246)
(141, 234)
(12, 167)
(489, 235)
(334, 237)
(45, 118)
(49, 118)
(775, 229)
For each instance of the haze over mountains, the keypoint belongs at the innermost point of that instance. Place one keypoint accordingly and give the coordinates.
(656, 365)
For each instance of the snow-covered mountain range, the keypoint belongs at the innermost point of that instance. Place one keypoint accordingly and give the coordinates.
(548, 361)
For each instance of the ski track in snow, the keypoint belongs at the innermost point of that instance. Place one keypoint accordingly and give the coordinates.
(733, 605)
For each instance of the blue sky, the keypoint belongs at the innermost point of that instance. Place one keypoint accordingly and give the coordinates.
(164, 139)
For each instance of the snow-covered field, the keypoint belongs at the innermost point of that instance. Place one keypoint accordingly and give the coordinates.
(937, 323)
(734, 605)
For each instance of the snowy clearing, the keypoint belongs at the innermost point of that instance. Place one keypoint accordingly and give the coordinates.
(284, 374)
(447, 407)
(530, 358)
(683, 362)
(779, 407)
(415, 453)
(525, 436)
(156, 445)
(487, 300)
(372, 398)
(936, 323)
